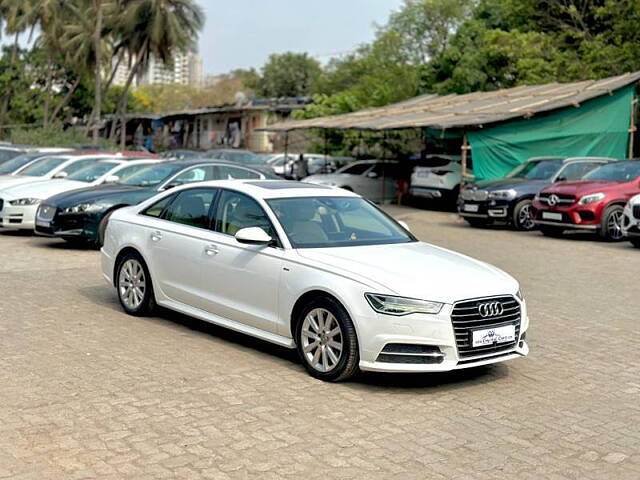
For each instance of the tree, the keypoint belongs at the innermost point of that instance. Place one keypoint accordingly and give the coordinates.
(287, 75)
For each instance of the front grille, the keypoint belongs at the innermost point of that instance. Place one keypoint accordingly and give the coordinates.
(561, 199)
(466, 318)
(475, 195)
(636, 210)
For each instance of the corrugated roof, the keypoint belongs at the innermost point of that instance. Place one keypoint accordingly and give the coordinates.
(472, 109)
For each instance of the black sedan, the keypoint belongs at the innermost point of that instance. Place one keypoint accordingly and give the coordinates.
(508, 200)
(81, 216)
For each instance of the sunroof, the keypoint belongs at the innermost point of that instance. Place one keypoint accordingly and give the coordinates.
(281, 185)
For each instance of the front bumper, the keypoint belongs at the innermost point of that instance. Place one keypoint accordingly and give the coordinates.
(630, 224)
(572, 217)
(19, 217)
(500, 210)
(74, 226)
(377, 332)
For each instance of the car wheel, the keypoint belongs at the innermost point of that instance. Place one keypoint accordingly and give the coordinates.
(554, 232)
(523, 216)
(326, 340)
(102, 228)
(611, 224)
(635, 241)
(135, 290)
(477, 222)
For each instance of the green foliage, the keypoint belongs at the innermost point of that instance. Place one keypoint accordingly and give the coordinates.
(285, 75)
(55, 135)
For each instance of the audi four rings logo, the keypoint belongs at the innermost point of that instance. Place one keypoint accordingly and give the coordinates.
(492, 309)
(553, 200)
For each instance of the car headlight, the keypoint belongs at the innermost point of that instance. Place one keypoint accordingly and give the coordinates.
(25, 202)
(591, 198)
(503, 194)
(83, 208)
(398, 306)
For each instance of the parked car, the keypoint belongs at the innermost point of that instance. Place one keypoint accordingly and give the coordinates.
(509, 199)
(45, 168)
(81, 216)
(243, 157)
(285, 165)
(372, 179)
(11, 152)
(18, 204)
(181, 155)
(594, 204)
(437, 177)
(318, 269)
(631, 221)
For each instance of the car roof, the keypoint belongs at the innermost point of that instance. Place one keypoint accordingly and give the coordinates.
(268, 189)
(590, 159)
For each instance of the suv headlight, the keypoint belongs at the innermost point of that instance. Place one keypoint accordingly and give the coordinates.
(398, 306)
(503, 194)
(591, 198)
(83, 208)
(25, 202)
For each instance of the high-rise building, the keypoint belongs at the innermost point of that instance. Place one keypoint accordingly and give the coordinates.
(184, 69)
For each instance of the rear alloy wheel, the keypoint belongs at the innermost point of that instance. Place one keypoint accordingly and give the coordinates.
(326, 341)
(135, 290)
(523, 216)
(611, 224)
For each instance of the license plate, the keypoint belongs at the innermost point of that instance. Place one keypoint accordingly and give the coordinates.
(471, 208)
(489, 336)
(552, 216)
(423, 174)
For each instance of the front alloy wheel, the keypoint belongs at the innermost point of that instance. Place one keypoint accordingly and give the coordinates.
(523, 216)
(326, 340)
(135, 290)
(611, 226)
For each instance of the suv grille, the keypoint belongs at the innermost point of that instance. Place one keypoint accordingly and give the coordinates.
(466, 318)
(636, 210)
(474, 195)
(561, 199)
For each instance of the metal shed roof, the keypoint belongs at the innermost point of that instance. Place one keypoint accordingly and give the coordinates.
(472, 109)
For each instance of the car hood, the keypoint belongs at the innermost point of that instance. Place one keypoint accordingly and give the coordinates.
(42, 188)
(7, 181)
(108, 194)
(582, 188)
(510, 183)
(416, 270)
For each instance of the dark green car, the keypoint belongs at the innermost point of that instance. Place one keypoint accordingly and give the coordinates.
(81, 216)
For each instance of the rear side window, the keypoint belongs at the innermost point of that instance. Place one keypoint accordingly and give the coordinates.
(191, 207)
(575, 171)
(235, 173)
(157, 208)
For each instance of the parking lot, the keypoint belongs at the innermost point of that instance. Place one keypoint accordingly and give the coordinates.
(89, 392)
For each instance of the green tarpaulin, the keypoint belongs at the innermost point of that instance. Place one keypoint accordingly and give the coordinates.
(599, 127)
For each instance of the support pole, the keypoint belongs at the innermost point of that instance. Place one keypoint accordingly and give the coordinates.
(384, 166)
(286, 153)
(325, 151)
(465, 152)
(633, 128)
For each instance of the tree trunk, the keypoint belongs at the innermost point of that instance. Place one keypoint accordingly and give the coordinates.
(65, 100)
(4, 109)
(112, 76)
(97, 38)
(125, 93)
(123, 124)
(47, 100)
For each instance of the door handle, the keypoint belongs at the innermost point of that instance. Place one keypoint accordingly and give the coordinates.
(211, 250)
(156, 236)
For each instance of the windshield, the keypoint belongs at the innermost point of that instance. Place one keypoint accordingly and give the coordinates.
(321, 222)
(43, 166)
(542, 170)
(18, 162)
(93, 172)
(8, 154)
(615, 172)
(151, 176)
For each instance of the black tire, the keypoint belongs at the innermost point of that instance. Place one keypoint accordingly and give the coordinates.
(554, 232)
(477, 222)
(610, 229)
(347, 365)
(102, 228)
(635, 241)
(522, 218)
(148, 302)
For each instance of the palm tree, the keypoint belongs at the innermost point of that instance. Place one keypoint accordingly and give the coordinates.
(155, 28)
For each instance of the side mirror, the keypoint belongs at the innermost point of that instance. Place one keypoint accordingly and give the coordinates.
(112, 179)
(372, 175)
(561, 179)
(253, 236)
(404, 225)
(61, 175)
(171, 185)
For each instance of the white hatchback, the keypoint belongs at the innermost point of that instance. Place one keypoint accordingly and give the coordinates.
(314, 268)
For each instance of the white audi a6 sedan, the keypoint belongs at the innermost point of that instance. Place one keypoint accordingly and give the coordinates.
(314, 268)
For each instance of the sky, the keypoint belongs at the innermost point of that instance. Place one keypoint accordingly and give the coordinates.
(243, 33)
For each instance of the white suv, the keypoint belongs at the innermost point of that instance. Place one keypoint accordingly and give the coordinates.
(438, 176)
(631, 221)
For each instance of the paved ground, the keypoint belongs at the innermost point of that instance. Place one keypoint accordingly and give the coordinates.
(88, 392)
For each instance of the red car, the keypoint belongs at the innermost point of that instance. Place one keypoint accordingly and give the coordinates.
(595, 203)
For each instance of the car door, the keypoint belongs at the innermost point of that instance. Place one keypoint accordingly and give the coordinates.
(177, 243)
(242, 280)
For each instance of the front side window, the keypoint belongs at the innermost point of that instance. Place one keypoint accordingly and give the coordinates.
(92, 172)
(191, 207)
(43, 166)
(226, 172)
(197, 174)
(357, 169)
(158, 208)
(615, 172)
(16, 163)
(79, 165)
(8, 154)
(321, 222)
(237, 211)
